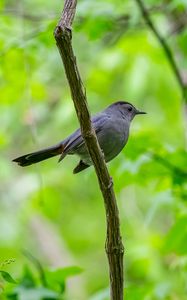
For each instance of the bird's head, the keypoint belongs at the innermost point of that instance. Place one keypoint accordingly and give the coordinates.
(125, 109)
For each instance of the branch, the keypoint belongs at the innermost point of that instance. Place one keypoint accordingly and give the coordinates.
(164, 46)
(30, 17)
(167, 164)
(114, 246)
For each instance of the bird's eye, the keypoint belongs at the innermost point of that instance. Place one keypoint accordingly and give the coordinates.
(130, 108)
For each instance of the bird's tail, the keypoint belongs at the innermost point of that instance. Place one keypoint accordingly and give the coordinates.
(35, 157)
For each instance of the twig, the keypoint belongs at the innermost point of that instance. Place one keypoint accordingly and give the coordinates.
(114, 246)
(30, 17)
(164, 46)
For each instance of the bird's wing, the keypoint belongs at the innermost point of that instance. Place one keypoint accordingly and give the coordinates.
(75, 140)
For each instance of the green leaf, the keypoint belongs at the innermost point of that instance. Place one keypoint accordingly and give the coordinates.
(7, 277)
(27, 278)
(60, 275)
(66, 272)
(176, 239)
(37, 264)
(12, 296)
(137, 292)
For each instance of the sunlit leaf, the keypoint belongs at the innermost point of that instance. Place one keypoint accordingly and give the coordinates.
(60, 275)
(7, 277)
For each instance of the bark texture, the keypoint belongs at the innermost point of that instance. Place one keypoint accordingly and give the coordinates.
(114, 246)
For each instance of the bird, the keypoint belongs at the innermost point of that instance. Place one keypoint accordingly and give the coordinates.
(111, 127)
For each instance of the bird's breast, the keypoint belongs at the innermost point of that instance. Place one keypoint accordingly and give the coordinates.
(113, 138)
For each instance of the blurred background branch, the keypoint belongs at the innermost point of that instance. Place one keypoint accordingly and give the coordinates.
(166, 48)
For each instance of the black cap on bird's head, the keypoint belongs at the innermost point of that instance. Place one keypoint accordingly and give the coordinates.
(126, 109)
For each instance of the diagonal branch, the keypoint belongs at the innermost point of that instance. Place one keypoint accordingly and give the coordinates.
(164, 46)
(114, 246)
(167, 164)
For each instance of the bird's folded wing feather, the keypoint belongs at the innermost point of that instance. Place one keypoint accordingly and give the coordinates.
(75, 140)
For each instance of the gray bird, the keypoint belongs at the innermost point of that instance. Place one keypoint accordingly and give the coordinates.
(112, 130)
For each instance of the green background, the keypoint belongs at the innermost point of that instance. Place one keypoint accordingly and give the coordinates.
(59, 217)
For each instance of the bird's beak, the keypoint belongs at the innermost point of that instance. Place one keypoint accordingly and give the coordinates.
(138, 112)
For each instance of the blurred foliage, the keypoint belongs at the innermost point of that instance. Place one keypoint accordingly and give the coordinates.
(45, 208)
(46, 284)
